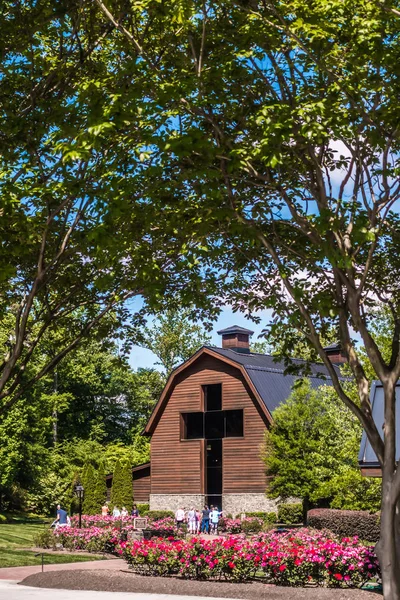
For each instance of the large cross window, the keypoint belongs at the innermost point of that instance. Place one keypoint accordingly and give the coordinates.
(213, 423)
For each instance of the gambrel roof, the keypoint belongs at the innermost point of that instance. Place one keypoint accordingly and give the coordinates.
(265, 377)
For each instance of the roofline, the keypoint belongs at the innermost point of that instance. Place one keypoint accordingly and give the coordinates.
(159, 407)
(134, 469)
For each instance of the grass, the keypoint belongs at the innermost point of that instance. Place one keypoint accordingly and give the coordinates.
(15, 539)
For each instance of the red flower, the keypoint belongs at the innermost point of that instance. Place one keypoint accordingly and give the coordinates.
(338, 576)
(282, 567)
(231, 565)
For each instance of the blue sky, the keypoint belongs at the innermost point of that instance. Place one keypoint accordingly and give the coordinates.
(141, 357)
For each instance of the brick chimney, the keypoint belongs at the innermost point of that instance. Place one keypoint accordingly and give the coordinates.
(335, 354)
(236, 338)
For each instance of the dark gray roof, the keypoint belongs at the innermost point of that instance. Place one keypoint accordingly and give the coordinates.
(367, 457)
(269, 378)
(234, 329)
(335, 347)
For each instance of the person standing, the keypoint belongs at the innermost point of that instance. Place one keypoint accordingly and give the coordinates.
(214, 518)
(205, 522)
(191, 517)
(62, 519)
(135, 511)
(124, 512)
(104, 510)
(198, 521)
(179, 517)
(116, 512)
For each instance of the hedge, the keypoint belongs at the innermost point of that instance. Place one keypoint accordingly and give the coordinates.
(270, 517)
(143, 509)
(346, 523)
(159, 514)
(290, 514)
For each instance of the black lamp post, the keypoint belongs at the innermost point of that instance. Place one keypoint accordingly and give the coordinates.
(79, 491)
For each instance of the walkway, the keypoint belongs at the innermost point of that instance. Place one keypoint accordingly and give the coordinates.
(12, 591)
(19, 573)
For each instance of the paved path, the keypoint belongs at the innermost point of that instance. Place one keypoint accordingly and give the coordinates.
(12, 591)
(19, 573)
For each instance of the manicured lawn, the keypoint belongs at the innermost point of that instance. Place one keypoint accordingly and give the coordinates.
(17, 536)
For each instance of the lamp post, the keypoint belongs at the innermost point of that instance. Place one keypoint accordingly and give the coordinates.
(79, 491)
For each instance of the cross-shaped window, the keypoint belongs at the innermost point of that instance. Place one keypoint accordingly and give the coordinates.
(213, 423)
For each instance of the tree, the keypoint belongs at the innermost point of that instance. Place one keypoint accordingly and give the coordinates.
(174, 338)
(312, 449)
(78, 240)
(127, 487)
(117, 486)
(279, 162)
(100, 489)
(89, 484)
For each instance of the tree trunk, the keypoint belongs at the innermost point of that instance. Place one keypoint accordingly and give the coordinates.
(387, 549)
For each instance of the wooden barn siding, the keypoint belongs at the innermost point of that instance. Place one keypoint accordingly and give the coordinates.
(243, 468)
(141, 485)
(176, 467)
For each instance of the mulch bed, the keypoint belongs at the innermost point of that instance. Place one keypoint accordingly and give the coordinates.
(122, 581)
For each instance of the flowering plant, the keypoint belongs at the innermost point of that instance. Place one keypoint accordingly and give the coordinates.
(300, 558)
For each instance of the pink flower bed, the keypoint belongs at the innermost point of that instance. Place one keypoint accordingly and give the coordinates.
(246, 525)
(293, 558)
(100, 521)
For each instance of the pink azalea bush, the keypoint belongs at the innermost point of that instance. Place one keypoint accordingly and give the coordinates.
(292, 558)
(91, 539)
(246, 525)
(101, 521)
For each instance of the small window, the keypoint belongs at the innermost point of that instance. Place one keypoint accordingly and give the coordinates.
(234, 423)
(215, 425)
(193, 425)
(213, 397)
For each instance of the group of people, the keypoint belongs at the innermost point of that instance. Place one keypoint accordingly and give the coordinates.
(116, 512)
(199, 521)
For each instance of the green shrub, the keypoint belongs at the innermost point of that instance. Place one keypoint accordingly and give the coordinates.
(143, 509)
(270, 517)
(44, 539)
(346, 523)
(160, 514)
(290, 514)
(253, 526)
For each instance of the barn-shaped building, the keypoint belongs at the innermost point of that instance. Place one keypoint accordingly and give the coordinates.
(207, 429)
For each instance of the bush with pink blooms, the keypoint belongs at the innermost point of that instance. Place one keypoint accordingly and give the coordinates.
(246, 525)
(102, 521)
(303, 557)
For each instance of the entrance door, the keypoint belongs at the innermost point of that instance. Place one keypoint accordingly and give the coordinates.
(214, 473)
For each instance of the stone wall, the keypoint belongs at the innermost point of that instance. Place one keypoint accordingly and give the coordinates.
(236, 504)
(175, 501)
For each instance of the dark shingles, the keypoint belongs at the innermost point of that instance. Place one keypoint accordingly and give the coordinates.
(269, 378)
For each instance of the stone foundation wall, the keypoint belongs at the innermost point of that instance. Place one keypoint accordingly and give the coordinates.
(236, 504)
(175, 501)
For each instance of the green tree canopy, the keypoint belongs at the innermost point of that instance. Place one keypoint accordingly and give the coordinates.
(278, 160)
(174, 337)
(311, 452)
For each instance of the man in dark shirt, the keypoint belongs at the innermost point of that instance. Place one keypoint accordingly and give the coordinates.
(205, 523)
(62, 517)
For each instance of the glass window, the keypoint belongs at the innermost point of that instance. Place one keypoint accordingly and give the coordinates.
(234, 423)
(214, 425)
(213, 396)
(193, 425)
(214, 453)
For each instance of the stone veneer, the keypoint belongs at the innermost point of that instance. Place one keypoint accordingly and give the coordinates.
(175, 501)
(237, 504)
